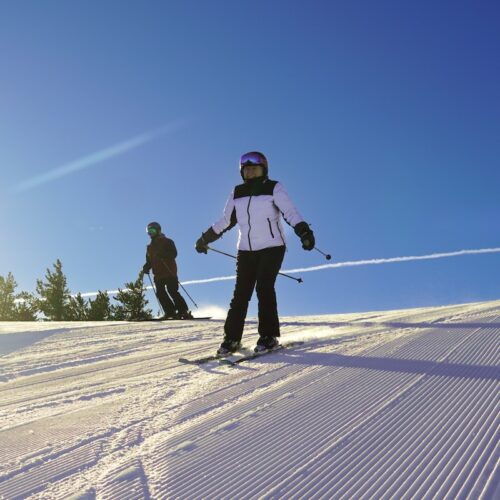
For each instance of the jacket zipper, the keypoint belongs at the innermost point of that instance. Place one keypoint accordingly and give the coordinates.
(270, 227)
(249, 225)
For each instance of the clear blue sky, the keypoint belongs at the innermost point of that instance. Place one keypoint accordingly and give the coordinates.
(380, 118)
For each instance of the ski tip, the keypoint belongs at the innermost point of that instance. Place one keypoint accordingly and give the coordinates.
(198, 361)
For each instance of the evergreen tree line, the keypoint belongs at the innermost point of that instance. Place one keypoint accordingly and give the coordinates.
(54, 302)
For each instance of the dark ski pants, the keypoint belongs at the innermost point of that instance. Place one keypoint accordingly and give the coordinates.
(173, 300)
(257, 270)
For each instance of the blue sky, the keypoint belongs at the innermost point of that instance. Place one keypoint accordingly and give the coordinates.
(380, 118)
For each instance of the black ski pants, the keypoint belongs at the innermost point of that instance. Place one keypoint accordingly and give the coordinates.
(255, 269)
(173, 300)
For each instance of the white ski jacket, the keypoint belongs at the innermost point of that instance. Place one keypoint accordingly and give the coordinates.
(256, 208)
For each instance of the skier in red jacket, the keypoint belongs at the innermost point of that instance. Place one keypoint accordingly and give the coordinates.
(160, 257)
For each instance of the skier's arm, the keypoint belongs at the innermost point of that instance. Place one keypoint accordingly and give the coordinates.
(147, 266)
(215, 231)
(228, 219)
(286, 206)
(170, 250)
(293, 217)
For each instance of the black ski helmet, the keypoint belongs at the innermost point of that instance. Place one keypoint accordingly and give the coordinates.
(153, 228)
(253, 158)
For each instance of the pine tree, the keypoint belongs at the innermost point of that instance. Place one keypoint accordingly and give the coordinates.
(100, 308)
(7, 297)
(26, 307)
(77, 308)
(22, 306)
(133, 302)
(54, 294)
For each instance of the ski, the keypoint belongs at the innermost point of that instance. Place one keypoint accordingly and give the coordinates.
(186, 319)
(206, 359)
(174, 319)
(236, 360)
(199, 361)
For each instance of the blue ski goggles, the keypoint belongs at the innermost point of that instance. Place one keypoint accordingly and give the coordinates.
(252, 159)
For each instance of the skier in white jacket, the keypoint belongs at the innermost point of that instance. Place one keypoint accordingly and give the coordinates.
(256, 206)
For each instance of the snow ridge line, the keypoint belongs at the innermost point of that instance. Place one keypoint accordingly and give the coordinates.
(442, 461)
(60, 452)
(354, 475)
(368, 417)
(315, 344)
(428, 399)
(126, 482)
(280, 443)
(227, 465)
(400, 448)
(15, 384)
(264, 381)
(276, 443)
(388, 447)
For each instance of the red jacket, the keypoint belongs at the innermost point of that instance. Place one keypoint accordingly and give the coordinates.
(160, 256)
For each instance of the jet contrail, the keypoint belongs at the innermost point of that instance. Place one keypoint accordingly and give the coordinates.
(369, 262)
(100, 156)
(394, 259)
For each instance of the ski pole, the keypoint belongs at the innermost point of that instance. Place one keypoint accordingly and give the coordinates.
(223, 253)
(190, 298)
(154, 290)
(327, 255)
(180, 284)
(298, 280)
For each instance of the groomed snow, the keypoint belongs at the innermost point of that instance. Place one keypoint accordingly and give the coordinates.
(397, 404)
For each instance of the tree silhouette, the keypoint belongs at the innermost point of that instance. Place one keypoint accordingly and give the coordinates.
(54, 294)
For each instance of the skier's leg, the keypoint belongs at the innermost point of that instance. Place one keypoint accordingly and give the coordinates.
(178, 300)
(166, 303)
(246, 274)
(270, 260)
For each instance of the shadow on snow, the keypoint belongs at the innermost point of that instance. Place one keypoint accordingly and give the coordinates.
(434, 368)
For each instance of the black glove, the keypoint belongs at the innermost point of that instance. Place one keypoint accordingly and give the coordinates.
(201, 245)
(145, 269)
(304, 232)
(207, 237)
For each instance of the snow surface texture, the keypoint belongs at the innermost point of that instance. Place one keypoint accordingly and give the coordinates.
(399, 404)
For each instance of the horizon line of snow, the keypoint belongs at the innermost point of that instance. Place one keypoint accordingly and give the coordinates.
(353, 263)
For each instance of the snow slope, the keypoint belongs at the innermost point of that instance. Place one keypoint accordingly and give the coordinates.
(397, 404)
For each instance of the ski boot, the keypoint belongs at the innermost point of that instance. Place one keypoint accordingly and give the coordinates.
(228, 347)
(169, 315)
(184, 315)
(266, 344)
